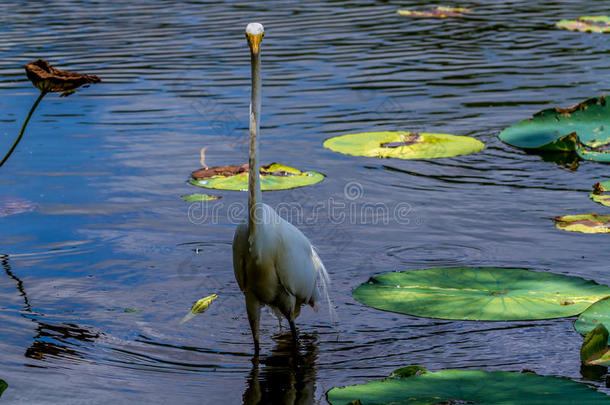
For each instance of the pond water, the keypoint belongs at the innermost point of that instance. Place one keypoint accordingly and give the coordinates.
(107, 258)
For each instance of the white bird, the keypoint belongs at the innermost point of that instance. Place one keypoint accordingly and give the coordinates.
(274, 263)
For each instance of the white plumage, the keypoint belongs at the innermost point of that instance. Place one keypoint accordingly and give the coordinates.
(274, 263)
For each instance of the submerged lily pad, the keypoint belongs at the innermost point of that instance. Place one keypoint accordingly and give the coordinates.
(594, 350)
(15, 205)
(590, 23)
(596, 314)
(198, 197)
(585, 223)
(438, 12)
(468, 387)
(199, 307)
(583, 128)
(403, 145)
(273, 177)
(601, 193)
(485, 293)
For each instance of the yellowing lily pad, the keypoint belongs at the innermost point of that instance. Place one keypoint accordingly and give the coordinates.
(403, 145)
(591, 23)
(199, 307)
(485, 294)
(273, 177)
(601, 193)
(468, 387)
(583, 128)
(199, 197)
(594, 350)
(585, 223)
(438, 12)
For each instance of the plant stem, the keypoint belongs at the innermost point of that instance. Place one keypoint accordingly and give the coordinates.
(25, 123)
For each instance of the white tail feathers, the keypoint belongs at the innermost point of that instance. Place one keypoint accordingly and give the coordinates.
(323, 283)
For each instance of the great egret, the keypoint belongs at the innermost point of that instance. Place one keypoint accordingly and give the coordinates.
(274, 263)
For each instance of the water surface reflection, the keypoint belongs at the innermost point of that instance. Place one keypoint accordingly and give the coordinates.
(288, 374)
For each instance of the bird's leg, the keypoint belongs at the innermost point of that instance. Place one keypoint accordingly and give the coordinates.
(253, 308)
(293, 330)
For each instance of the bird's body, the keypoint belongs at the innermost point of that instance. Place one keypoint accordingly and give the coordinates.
(274, 263)
(279, 269)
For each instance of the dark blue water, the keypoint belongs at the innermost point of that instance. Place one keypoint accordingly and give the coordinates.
(105, 169)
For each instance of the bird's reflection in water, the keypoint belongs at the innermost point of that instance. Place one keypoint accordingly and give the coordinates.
(287, 375)
(50, 340)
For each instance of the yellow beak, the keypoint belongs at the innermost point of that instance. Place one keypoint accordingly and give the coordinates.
(254, 41)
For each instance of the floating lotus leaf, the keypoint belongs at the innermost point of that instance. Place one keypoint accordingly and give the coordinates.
(594, 350)
(15, 205)
(468, 387)
(484, 294)
(601, 193)
(585, 223)
(403, 145)
(198, 197)
(591, 23)
(596, 314)
(438, 12)
(3, 386)
(583, 128)
(273, 177)
(199, 307)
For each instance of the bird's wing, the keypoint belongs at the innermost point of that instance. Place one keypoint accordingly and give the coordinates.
(294, 262)
(240, 253)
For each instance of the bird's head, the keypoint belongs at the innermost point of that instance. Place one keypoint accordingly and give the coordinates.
(254, 34)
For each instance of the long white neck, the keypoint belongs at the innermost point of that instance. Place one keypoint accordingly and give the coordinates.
(254, 186)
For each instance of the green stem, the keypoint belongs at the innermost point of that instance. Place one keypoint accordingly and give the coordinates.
(25, 123)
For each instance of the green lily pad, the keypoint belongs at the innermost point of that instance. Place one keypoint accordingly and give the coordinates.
(583, 128)
(438, 12)
(199, 307)
(594, 350)
(484, 294)
(468, 387)
(273, 177)
(198, 197)
(601, 193)
(3, 386)
(131, 310)
(585, 223)
(596, 314)
(403, 145)
(590, 23)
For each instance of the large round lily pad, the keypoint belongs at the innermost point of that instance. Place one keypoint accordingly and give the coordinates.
(403, 145)
(601, 193)
(485, 293)
(585, 223)
(468, 387)
(583, 128)
(273, 177)
(589, 23)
